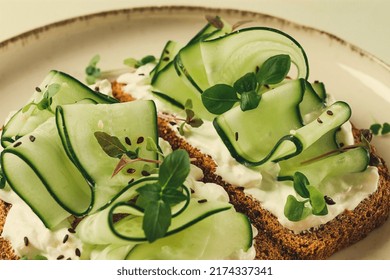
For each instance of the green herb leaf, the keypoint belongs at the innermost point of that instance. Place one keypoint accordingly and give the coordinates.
(295, 210)
(150, 192)
(92, 71)
(195, 122)
(274, 69)
(132, 62)
(219, 98)
(300, 184)
(132, 154)
(375, 128)
(151, 145)
(385, 128)
(52, 90)
(157, 219)
(317, 201)
(173, 196)
(246, 83)
(27, 107)
(174, 169)
(188, 104)
(110, 144)
(249, 100)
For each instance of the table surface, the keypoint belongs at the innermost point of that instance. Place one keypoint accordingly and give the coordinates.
(363, 23)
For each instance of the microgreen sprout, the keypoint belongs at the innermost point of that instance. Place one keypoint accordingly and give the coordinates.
(380, 129)
(310, 201)
(246, 90)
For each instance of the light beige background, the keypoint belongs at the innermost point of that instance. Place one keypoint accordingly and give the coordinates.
(364, 23)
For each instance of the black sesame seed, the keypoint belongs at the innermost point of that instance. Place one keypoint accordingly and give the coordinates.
(329, 112)
(26, 241)
(131, 181)
(236, 136)
(77, 252)
(329, 200)
(68, 259)
(257, 69)
(319, 120)
(32, 138)
(66, 237)
(166, 58)
(192, 191)
(267, 86)
(166, 51)
(97, 88)
(140, 140)
(202, 201)
(130, 170)
(341, 144)
(141, 74)
(60, 257)
(128, 141)
(71, 230)
(145, 173)
(17, 144)
(172, 123)
(38, 89)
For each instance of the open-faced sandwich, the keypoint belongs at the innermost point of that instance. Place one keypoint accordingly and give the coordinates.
(223, 138)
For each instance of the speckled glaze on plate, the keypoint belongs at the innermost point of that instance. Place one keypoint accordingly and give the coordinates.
(350, 74)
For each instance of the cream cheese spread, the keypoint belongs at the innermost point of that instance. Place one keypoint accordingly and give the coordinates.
(260, 182)
(30, 238)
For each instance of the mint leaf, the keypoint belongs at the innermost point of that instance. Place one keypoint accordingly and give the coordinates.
(249, 100)
(174, 169)
(317, 201)
(246, 83)
(157, 219)
(295, 210)
(274, 69)
(110, 144)
(300, 183)
(219, 98)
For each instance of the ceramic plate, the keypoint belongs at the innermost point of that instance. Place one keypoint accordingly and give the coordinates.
(349, 73)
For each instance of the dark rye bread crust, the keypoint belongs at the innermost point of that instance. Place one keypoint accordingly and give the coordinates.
(273, 240)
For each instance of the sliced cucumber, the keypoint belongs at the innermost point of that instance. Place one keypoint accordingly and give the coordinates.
(319, 88)
(230, 57)
(39, 171)
(168, 54)
(311, 106)
(252, 136)
(215, 237)
(132, 123)
(70, 91)
(350, 161)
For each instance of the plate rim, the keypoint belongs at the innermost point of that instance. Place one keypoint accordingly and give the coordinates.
(36, 32)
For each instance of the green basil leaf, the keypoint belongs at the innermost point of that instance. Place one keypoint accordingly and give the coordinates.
(317, 200)
(300, 183)
(174, 170)
(173, 196)
(131, 62)
(188, 104)
(157, 219)
(147, 59)
(274, 69)
(219, 98)
(110, 144)
(249, 100)
(189, 115)
(375, 128)
(246, 83)
(295, 210)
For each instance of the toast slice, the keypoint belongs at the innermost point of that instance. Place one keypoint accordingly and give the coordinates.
(275, 241)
